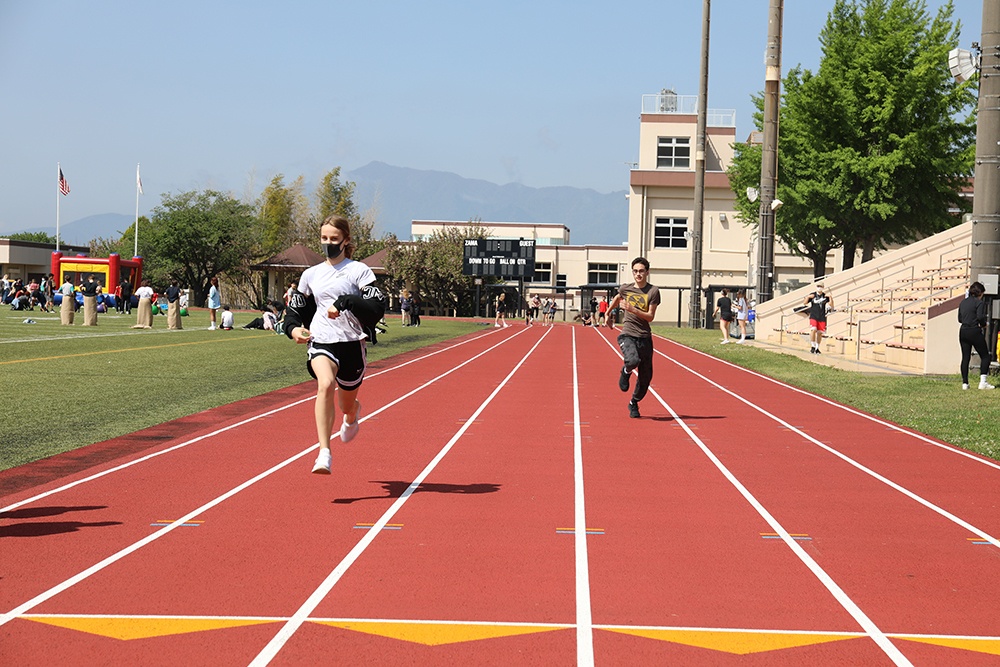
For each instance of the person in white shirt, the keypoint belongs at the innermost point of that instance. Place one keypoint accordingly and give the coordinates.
(334, 312)
(227, 319)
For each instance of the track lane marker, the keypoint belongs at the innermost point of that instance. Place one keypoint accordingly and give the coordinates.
(584, 611)
(838, 593)
(277, 642)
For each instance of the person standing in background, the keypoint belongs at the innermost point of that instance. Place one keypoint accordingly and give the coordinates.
(173, 294)
(724, 310)
(144, 312)
(90, 289)
(214, 301)
(973, 318)
(67, 311)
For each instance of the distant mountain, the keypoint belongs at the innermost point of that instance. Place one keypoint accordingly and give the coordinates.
(83, 231)
(402, 195)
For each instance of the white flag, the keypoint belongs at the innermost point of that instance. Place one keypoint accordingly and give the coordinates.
(138, 181)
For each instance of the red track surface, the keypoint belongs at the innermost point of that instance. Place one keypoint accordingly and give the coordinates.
(499, 507)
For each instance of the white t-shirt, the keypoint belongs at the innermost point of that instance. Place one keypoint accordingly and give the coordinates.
(144, 292)
(227, 319)
(326, 284)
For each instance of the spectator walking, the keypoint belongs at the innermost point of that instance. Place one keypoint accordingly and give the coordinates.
(724, 311)
(819, 304)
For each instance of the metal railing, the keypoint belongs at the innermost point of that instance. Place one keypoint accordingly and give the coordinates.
(686, 104)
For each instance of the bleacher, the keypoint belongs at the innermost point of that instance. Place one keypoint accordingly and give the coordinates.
(885, 308)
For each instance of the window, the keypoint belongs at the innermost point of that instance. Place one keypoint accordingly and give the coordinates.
(543, 273)
(670, 233)
(602, 274)
(560, 283)
(673, 153)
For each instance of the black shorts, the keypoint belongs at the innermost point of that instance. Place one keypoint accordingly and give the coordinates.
(350, 358)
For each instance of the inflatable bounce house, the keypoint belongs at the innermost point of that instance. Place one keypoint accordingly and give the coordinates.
(108, 271)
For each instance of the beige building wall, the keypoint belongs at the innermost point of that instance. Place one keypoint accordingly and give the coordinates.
(543, 233)
(665, 193)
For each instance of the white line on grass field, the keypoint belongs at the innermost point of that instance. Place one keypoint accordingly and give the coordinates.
(835, 590)
(299, 617)
(584, 613)
(72, 581)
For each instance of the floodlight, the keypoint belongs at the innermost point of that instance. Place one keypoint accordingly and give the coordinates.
(963, 64)
(776, 204)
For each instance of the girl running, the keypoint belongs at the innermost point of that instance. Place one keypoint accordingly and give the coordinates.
(334, 311)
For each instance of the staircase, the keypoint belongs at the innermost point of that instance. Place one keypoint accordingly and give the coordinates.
(891, 312)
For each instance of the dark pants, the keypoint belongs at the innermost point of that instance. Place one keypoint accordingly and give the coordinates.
(638, 353)
(968, 338)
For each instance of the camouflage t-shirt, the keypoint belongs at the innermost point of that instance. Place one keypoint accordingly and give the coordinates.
(641, 299)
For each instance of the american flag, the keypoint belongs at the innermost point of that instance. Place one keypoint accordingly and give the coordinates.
(63, 185)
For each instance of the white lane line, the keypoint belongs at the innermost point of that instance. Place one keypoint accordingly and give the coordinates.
(881, 422)
(847, 459)
(244, 422)
(835, 590)
(584, 614)
(72, 581)
(305, 611)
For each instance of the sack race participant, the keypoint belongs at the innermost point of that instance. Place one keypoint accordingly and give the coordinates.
(173, 295)
(67, 311)
(144, 311)
(90, 289)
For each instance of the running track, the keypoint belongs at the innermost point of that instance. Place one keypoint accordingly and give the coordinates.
(499, 507)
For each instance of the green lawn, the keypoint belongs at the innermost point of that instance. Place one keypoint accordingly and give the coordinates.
(114, 380)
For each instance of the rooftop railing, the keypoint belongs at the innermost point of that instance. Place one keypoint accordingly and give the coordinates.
(669, 103)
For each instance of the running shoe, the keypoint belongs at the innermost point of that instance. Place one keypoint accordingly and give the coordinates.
(633, 410)
(965, 385)
(348, 431)
(983, 384)
(322, 465)
(623, 379)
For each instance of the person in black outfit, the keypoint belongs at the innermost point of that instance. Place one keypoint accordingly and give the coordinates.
(724, 310)
(973, 320)
(126, 297)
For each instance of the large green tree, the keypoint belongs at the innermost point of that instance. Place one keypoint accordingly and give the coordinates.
(875, 146)
(193, 236)
(284, 212)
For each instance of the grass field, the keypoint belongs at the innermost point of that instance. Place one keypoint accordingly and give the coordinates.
(110, 380)
(66, 387)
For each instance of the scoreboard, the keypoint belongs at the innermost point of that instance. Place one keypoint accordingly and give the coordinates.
(500, 258)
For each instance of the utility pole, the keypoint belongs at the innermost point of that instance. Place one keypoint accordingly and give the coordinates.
(985, 264)
(769, 161)
(698, 223)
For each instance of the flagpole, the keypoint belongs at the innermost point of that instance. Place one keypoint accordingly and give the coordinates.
(138, 189)
(58, 171)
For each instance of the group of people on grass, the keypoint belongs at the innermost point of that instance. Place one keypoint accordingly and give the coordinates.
(38, 292)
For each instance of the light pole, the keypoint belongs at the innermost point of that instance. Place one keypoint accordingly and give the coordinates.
(769, 160)
(698, 223)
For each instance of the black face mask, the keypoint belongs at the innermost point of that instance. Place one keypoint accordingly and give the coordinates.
(333, 250)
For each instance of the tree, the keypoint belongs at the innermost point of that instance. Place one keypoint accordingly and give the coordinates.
(193, 236)
(873, 148)
(284, 215)
(33, 237)
(433, 268)
(335, 198)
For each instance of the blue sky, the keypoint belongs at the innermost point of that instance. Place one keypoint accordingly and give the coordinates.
(225, 95)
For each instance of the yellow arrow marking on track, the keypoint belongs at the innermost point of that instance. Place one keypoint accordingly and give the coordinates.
(436, 634)
(740, 643)
(143, 627)
(989, 645)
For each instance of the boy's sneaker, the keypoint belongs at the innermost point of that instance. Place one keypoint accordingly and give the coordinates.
(983, 384)
(633, 410)
(623, 379)
(348, 431)
(322, 465)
